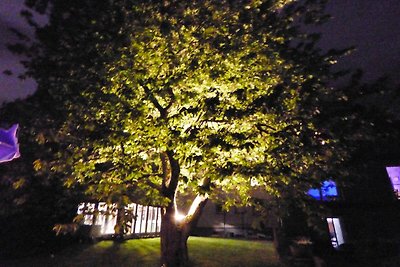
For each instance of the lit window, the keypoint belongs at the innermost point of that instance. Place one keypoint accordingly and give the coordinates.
(335, 231)
(394, 175)
(327, 191)
(140, 219)
(107, 217)
(87, 209)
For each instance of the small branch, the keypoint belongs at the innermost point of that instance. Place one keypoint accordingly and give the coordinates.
(261, 129)
(152, 98)
(153, 185)
(150, 183)
(123, 149)
(172, 101)
(152, 174)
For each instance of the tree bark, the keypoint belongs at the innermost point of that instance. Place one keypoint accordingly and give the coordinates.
(120, 225)
(175, 233)
(174, 236)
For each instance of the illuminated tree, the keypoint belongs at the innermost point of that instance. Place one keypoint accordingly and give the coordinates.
(161, 99)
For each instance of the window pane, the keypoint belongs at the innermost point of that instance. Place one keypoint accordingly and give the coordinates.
(138, 219)
(328, 190)
(335, 231)
(143, 220)
(394, 175)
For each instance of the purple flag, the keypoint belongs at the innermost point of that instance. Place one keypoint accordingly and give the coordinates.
(9, 148)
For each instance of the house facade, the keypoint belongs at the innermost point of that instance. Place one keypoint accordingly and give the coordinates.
(366, 212)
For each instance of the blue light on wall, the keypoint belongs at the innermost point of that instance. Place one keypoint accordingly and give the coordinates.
(327, 190)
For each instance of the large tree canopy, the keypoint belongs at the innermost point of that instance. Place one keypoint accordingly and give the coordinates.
(152, 99)
(216, 84)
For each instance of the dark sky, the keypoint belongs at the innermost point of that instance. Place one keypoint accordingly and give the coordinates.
(10, 86)
(370, 25)
(373, 26)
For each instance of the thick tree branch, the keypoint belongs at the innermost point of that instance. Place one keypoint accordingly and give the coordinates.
(171, 171)
(196, 209)
(198, 203)
(166, 173)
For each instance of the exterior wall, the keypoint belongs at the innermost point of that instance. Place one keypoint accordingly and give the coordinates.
(369, 221)
(368, 208)
(238, 222)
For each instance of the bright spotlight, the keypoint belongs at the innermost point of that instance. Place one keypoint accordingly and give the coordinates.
(179, 217)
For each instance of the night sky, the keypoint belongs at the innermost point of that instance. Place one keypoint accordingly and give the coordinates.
(372, 26)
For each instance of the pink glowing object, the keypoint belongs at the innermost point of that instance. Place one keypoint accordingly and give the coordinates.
(9, 147)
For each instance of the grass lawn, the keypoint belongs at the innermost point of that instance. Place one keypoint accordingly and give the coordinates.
(204, 252)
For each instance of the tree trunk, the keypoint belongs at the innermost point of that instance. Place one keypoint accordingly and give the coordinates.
(174, 236)
(120, 225)
(175, 233)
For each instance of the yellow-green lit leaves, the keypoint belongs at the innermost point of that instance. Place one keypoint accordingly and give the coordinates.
(210, 82)
(202, 90)
(19, 183)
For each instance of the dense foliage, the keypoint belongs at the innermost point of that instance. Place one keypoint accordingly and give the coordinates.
(216, 84)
